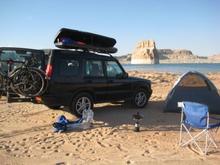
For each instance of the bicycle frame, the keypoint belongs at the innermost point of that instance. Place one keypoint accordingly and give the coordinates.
(24, 80)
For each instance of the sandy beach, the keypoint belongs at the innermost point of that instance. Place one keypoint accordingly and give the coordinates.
(26, 135)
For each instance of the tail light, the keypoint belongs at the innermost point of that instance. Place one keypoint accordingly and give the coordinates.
(38, 100)
(49, 70)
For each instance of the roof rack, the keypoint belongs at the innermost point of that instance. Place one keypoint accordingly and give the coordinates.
(73, 39)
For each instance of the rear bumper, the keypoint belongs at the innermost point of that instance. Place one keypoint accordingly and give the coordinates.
(51, 100)
(56, 100)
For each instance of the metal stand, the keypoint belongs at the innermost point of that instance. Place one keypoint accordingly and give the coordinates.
(7, 83)
(9, 98)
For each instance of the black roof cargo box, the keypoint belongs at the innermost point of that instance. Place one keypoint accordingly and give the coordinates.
(74, 39)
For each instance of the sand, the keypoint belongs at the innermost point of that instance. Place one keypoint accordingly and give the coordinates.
(26, 135)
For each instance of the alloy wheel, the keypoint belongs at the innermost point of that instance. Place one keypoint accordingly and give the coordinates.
(82, 104)
(140, 99)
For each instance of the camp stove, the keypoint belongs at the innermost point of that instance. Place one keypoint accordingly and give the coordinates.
(137, 118)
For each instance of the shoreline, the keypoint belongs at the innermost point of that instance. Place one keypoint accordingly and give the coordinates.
(164, 72)
(174, 62)
(173, 68)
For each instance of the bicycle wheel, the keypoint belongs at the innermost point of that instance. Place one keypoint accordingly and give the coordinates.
(28, 81)
(45, 85)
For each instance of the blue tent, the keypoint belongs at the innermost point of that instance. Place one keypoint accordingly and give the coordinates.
(195, 87)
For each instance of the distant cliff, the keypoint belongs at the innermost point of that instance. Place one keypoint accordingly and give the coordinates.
(179, 56)
(214, 57)
(145, 53)
(168, 53)
(176, 56)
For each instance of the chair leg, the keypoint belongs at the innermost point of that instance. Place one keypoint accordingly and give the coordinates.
(180, 140)
(216, 130)
(187, 130)
(212, 139)
(193, 140)
(206, 142)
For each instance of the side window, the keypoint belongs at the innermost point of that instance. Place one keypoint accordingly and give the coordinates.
(69, 67)
(113, 69)
(94, 68)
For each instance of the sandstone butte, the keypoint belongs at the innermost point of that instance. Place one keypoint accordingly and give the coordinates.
(145, 53)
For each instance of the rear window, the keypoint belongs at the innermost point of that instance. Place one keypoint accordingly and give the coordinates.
(34, 58)
(69, 67)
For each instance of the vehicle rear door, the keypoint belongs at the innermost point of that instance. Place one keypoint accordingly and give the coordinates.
(66, 74)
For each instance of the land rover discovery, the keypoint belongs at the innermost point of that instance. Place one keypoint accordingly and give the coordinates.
(79, 79)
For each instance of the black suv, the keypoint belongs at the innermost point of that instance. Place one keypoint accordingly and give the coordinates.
(78, 79)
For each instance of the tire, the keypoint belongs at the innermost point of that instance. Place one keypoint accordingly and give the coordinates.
(140, 98)
(77, 108)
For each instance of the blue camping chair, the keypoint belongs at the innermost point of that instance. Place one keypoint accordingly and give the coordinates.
(195, 116)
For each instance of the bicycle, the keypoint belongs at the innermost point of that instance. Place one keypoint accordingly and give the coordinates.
(24, 80)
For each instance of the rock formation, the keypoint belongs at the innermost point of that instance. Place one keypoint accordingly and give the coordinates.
(215, 57)
(178, 54)
(125, 59)
(145, 53)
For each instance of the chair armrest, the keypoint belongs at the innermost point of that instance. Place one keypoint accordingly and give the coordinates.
(215, 118)
(180, 104)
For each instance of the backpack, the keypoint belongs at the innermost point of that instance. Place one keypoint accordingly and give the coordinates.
(61, 124)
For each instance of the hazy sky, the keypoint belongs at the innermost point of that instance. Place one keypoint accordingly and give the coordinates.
(175, 24)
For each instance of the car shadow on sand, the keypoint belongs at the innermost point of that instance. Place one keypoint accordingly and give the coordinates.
(153, 116)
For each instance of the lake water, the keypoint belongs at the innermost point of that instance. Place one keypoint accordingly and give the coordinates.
(174, 68)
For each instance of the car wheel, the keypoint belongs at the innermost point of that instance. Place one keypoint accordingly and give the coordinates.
(140, 98)
(80, 102)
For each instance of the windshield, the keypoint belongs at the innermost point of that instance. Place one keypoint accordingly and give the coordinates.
(33, 58)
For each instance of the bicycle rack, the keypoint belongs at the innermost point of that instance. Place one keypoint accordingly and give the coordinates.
(12, 96)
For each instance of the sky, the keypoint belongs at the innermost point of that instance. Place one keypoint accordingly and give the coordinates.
(172, 24)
